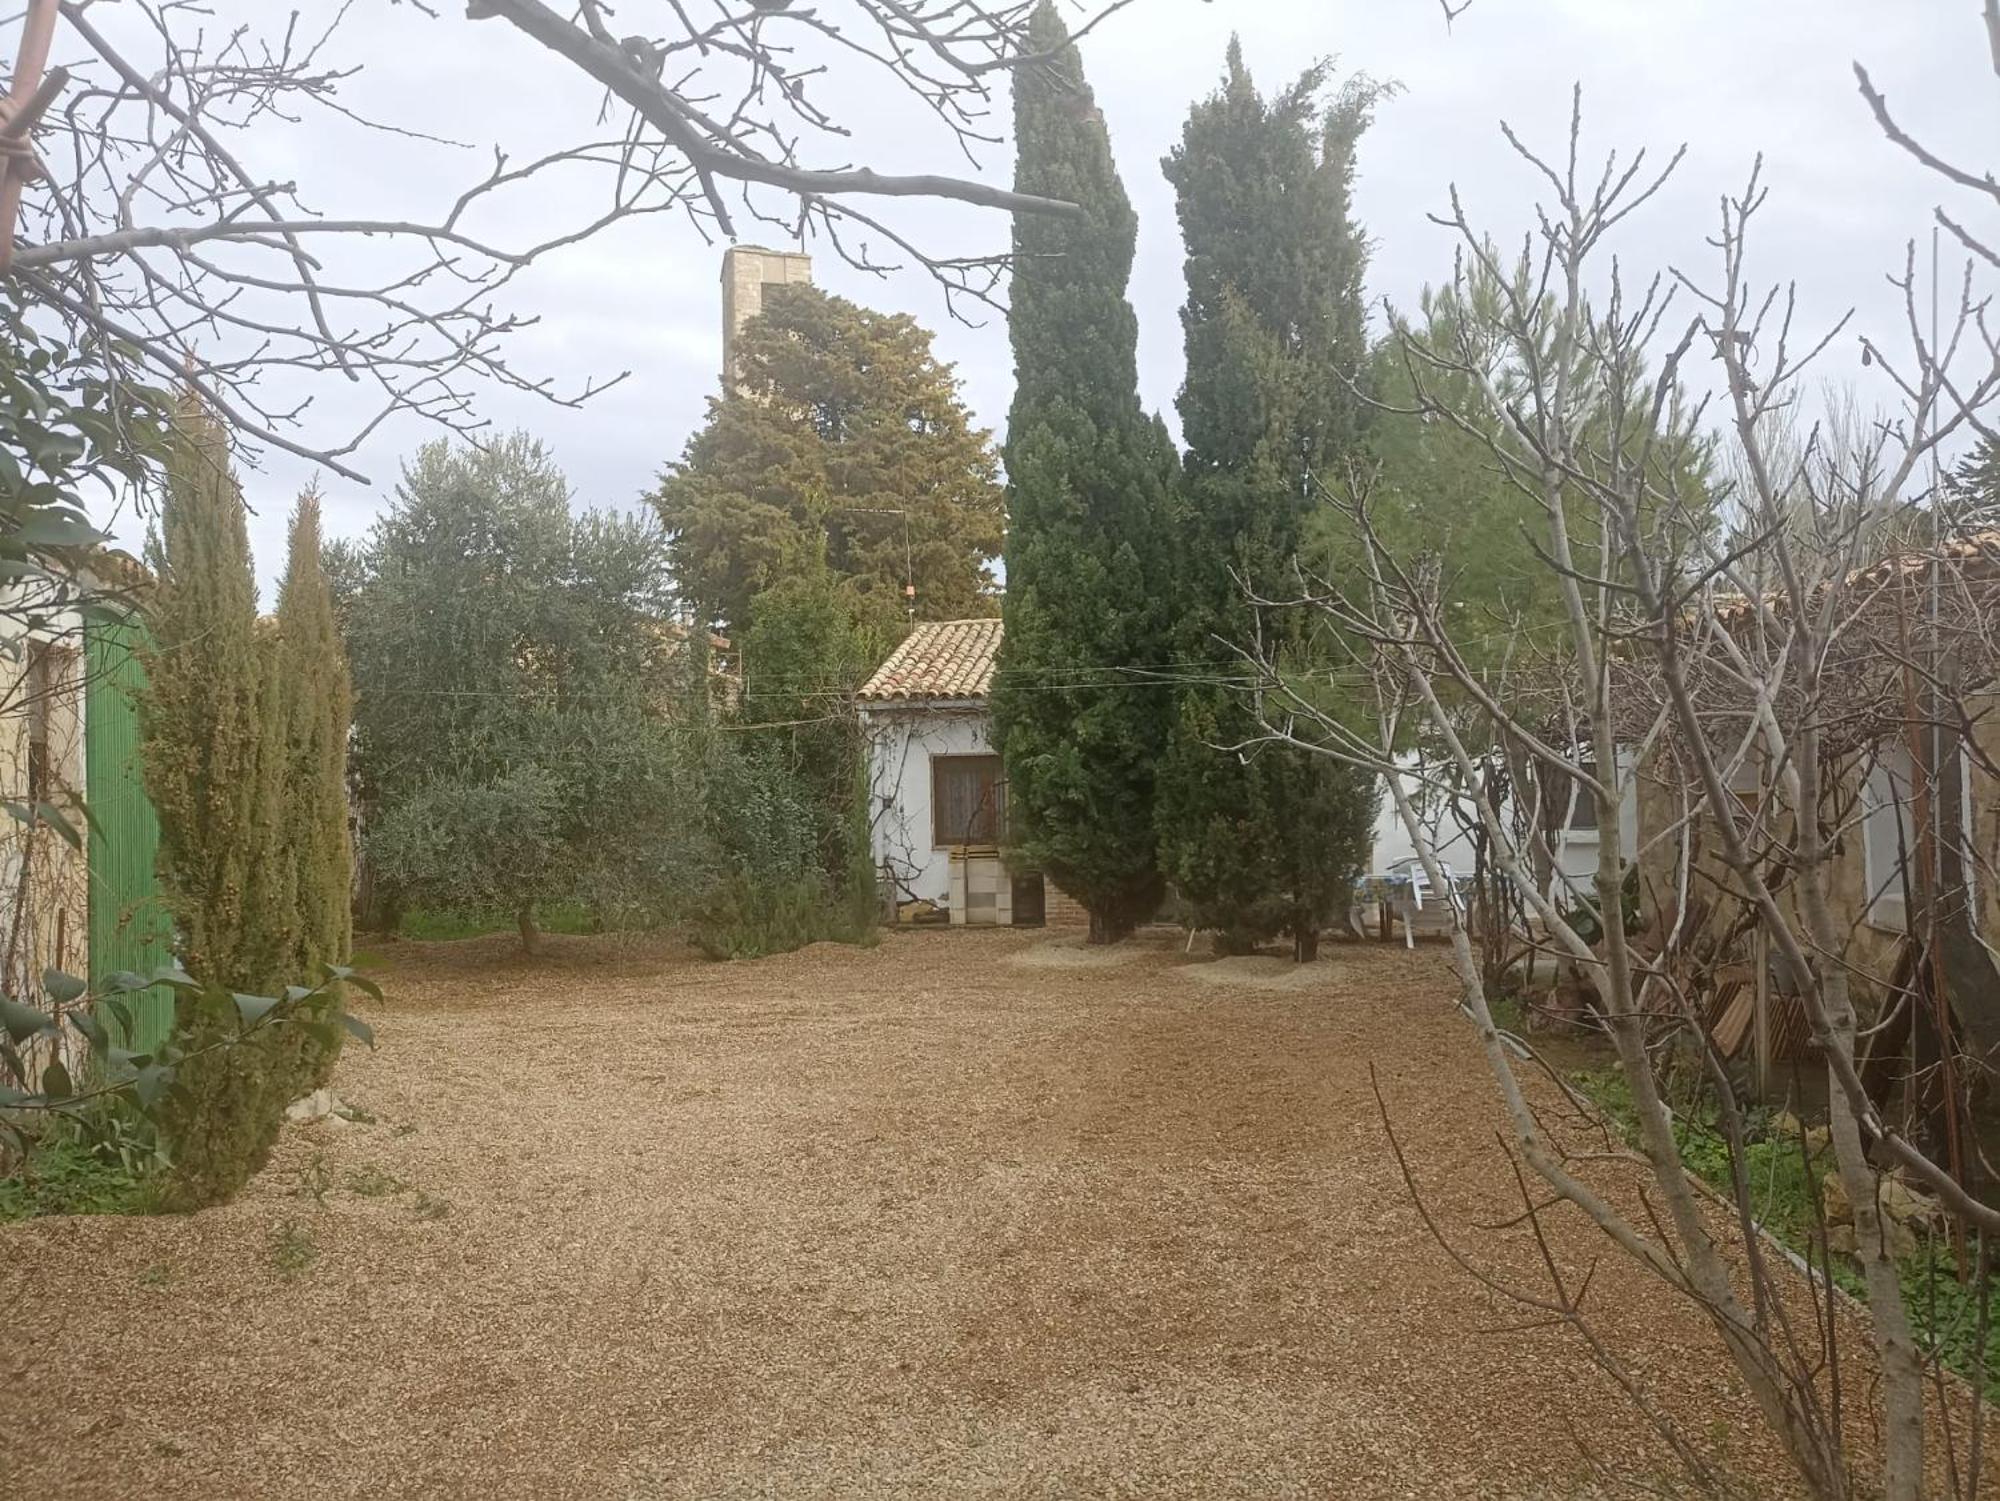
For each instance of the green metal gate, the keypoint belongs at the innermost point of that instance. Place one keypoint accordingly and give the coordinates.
(129, 927)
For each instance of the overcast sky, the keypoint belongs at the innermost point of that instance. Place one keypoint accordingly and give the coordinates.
(1730, 78)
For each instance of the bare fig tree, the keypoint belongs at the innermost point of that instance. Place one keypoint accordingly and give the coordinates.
(160, 222)
(1731, 667)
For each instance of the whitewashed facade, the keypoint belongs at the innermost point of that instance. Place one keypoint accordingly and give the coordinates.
(937, 794)
(1575, 846)
(904, 742)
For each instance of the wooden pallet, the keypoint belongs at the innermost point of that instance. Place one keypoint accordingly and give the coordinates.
(1732, 1017)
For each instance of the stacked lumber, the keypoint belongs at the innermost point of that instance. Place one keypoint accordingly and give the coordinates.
(1732, 1016)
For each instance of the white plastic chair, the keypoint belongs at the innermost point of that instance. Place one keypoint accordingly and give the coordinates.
(1410, 907)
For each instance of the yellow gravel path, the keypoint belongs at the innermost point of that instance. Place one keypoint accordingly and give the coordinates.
(949, 1217)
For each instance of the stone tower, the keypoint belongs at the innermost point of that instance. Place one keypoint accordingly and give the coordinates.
(746, 271)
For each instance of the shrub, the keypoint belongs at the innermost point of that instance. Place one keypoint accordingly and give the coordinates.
(220, 1120)
(1784, 1177)
(182, 1126)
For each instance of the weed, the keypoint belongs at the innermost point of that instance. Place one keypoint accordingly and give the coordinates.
(373, 1183)
(1784, 1170)
(293, 1248)
(315, 1180)
(159, 1274)
(1510, 1013)
(63, 1175)
(361, 1115)
(424, 1207)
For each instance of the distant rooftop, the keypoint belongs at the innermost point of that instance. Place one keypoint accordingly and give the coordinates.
(939, 659)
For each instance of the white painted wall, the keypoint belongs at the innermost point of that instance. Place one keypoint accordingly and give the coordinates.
(901, 741)
(1576, 850)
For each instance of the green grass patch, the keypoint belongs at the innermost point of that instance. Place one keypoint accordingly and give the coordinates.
(1784, 1176)
(373, 1183)
(1509, 1012)
(557, 917)
(65, 1176)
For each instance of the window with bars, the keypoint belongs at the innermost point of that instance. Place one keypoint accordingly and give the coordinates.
(968, 801)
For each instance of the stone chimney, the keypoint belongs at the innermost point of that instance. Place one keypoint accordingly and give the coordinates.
(746, 271)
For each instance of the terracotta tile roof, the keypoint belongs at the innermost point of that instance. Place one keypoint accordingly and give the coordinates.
(939, 659)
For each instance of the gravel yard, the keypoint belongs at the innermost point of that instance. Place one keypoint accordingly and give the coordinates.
(962, 1215)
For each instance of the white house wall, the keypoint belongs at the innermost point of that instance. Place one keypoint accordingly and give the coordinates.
(1575, 851)
(901, 743)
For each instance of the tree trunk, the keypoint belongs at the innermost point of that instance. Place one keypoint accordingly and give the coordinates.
(1230, 942)
(531, 935)
(1104, 928)
(1305, 944)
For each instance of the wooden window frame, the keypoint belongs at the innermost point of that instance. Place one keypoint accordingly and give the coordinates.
(939, 765)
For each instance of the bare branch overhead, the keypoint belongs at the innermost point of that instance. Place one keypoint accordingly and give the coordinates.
(161, 219)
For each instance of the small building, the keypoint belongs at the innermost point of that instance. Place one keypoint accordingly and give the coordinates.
(937, 799)
(1911, 791)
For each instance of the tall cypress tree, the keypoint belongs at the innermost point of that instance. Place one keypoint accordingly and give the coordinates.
(1088, 475)
(317, 706)
(1276, 338)
(206, 715)
(202, 711)
(318, 716)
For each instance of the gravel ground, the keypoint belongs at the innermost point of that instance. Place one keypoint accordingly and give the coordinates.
(962, 1215)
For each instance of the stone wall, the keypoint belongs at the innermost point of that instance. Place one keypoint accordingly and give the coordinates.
(44, 884)
(746, 271)
(1871, 938)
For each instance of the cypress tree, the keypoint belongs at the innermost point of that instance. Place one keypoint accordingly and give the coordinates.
(205, 715)
(203, 711)
(1276, 338)
(270, 917)
(317, 707)
(1087, 472)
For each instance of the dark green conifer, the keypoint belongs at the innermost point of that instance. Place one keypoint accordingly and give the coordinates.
(317, 703)
(203, 707)
(1268, 841)
(1080, 715)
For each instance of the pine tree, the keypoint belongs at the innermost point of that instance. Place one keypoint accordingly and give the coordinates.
(844, 441)
(1276, 340)
(1080, 726)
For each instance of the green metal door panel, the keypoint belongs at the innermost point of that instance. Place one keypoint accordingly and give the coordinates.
(129, 927)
